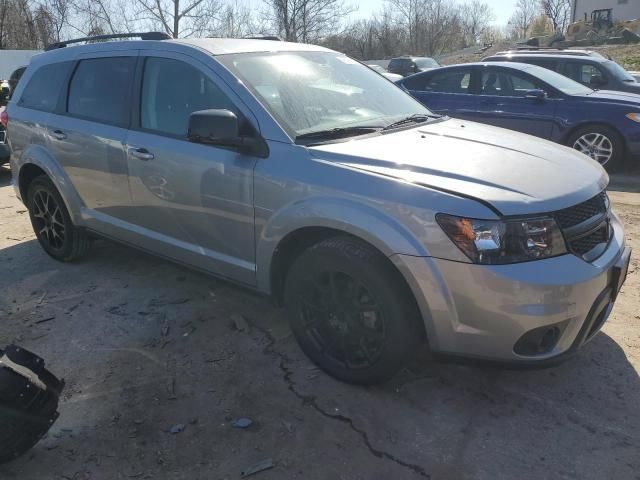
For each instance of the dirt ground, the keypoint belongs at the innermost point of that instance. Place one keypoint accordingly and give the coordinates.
(146, 346)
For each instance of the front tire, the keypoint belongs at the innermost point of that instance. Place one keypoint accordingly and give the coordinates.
(601, 143)
(52, 224)
(351, 311)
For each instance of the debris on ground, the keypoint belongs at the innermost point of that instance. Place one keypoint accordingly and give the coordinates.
(258, 467)
(179, 428)
(239, 322)
(242, 423)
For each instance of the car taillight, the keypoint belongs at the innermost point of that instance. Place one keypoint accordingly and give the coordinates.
(4, 118)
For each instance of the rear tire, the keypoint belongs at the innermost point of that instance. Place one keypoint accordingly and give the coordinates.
(52, 224)
(351, 311)
(601, 143)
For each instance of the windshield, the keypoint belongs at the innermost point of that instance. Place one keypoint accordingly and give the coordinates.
(619, 72)
(562, 83)
(426, 63)
(316, 91)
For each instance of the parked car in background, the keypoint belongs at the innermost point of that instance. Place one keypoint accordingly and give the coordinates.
(405, 66)
(15, 77)
(5, 151)
(391, 76)
(601, 124)
(301, 173)
(586, 67)
(4, 92)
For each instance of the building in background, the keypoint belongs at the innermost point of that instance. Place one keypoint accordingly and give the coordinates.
(622, 9)
(12, 59)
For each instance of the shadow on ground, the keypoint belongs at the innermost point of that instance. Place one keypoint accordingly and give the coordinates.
(5, 176)
(145, 345)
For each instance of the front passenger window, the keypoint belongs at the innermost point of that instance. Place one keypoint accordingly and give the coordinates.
(171, 91)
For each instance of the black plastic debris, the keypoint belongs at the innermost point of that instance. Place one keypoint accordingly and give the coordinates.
(29, 396)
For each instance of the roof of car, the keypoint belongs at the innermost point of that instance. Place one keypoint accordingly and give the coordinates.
(212, 46)
(222, 46)
(550, 51)
(514, 65)
(567, 56)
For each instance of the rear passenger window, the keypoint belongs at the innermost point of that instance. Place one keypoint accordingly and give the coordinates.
(171, 91)
(100, 89)
(44, 87)
(581, 72)
(456, 81)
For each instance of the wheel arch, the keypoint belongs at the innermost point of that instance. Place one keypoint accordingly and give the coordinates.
(302, 224)
(36, 161)
(592, 123)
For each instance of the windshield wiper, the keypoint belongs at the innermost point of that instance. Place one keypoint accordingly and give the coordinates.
(415, 118)
(338, 132)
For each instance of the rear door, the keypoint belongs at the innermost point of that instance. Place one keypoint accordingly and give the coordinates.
(504, 102)
(87, 131)
(194, 202)
(447, 92)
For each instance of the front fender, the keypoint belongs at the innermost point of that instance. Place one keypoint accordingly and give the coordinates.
(358, 219)
(38, 156)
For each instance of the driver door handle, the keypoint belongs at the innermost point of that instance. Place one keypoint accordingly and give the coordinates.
(140, 153)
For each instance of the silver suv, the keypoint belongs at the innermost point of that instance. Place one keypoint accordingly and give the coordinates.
(301, 173)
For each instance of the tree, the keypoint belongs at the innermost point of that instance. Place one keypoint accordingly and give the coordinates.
(179, 18)
(558, 11)
(475, 17)
(526, 11)
(307, 20)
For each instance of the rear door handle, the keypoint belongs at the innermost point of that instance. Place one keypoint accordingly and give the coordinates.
(59, 135)
(140, 153)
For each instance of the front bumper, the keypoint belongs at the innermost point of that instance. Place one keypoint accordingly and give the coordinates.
(482, 311)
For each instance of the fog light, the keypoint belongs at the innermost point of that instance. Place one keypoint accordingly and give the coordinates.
(539, 340)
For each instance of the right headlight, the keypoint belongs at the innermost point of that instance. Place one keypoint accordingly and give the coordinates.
(494, 242)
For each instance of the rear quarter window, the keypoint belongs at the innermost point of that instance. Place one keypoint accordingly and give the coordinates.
(44, 87)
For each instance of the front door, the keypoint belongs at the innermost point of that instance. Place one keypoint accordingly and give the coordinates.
(504, 103)
(194, 202)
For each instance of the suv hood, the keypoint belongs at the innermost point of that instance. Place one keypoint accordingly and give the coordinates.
(516, 173)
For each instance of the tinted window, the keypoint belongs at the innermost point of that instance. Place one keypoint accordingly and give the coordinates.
(171, 91)
(426, 63)
(100, 88)
(44, 87)
(456, 81)
(550, 64)
(581, 72)
(506, 83)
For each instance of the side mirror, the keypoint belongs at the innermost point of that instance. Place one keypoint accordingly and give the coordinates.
(222, 128)
(597, 81)
(537, 95)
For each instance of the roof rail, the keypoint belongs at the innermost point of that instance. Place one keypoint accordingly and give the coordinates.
(142, 36)
(264, 37)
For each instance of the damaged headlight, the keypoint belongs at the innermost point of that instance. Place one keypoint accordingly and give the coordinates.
(495, 242)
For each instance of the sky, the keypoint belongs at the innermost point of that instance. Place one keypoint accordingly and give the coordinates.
(502, 9)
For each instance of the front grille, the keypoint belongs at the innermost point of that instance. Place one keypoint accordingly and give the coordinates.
(572, 216)
(581, 246)
(582, 239)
